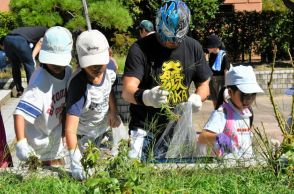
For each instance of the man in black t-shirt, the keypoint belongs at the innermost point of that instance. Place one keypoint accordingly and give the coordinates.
(159, 70)
(19, 45)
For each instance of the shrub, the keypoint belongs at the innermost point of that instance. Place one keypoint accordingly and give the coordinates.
(255, 31)
(8, 22)
(122, 43)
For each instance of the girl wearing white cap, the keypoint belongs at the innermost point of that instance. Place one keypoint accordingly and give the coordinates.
(228, 129)
(91, 107)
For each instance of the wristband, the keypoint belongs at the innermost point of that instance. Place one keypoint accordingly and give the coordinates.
(138, 95)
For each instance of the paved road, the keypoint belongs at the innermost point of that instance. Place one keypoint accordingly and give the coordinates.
(263, 112)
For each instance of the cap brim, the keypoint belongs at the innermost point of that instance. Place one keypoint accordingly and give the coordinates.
(249, 88)
(54, 58)
(98, 59)
(290, 91)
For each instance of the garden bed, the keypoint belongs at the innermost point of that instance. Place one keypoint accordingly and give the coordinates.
(238, 180)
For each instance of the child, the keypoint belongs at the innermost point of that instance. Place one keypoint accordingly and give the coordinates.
(91, 107)
(229, 127)
(38, 116)
(219, 64)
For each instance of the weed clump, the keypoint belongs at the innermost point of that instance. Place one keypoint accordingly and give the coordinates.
(114, 174)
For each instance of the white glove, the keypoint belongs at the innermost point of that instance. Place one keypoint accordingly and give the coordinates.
(195, 99)
(226, 95)
(76, 167)
(24, 150)
(155, 97)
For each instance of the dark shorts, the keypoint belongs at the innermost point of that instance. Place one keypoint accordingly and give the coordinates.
(215, 85)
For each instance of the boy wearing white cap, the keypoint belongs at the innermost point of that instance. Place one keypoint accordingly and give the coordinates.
(228, 129)
(38, 116)
(91, 107)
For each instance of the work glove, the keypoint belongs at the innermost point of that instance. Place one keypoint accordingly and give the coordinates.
(155, 97)
(24, 150)
(224, 142)
(226, 95)
(196, 101)
(76, 167)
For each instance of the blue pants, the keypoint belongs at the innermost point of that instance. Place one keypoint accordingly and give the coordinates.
(18, 51)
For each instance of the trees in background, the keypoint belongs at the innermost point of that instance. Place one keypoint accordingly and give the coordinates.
(7, 22)
(106, 14)
(117, 19)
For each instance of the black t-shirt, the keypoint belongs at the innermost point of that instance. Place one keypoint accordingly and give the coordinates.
(173, 69)
(31, 34)
(224, 66)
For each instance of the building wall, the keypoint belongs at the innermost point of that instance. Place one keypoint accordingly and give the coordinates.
(245, 5)
(4, 5)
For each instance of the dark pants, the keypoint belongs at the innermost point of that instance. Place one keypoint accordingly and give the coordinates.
(18, 51)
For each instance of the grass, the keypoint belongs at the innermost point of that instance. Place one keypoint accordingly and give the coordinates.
(121, 62)
(244, 180)
(12, 183)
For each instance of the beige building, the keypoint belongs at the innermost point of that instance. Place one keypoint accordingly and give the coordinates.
(244, 5)
(4, 5)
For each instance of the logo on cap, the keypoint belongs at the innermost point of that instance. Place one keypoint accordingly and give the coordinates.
(93, 48)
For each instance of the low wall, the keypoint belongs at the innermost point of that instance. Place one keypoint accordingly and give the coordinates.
(282, 79)
(122, 105)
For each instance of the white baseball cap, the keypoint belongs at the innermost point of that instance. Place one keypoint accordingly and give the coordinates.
(92, 48)
(244, 78)
(56, 47)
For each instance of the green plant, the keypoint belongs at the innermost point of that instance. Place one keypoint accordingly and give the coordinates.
(277, 5)
(270, 152)
(122, 43)
(202, 11)
(8, 22)
(110, 14)
(120, 59)
(114, 174)
(91, 158)
(33, 163)
(176, 180)
(279, 158)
